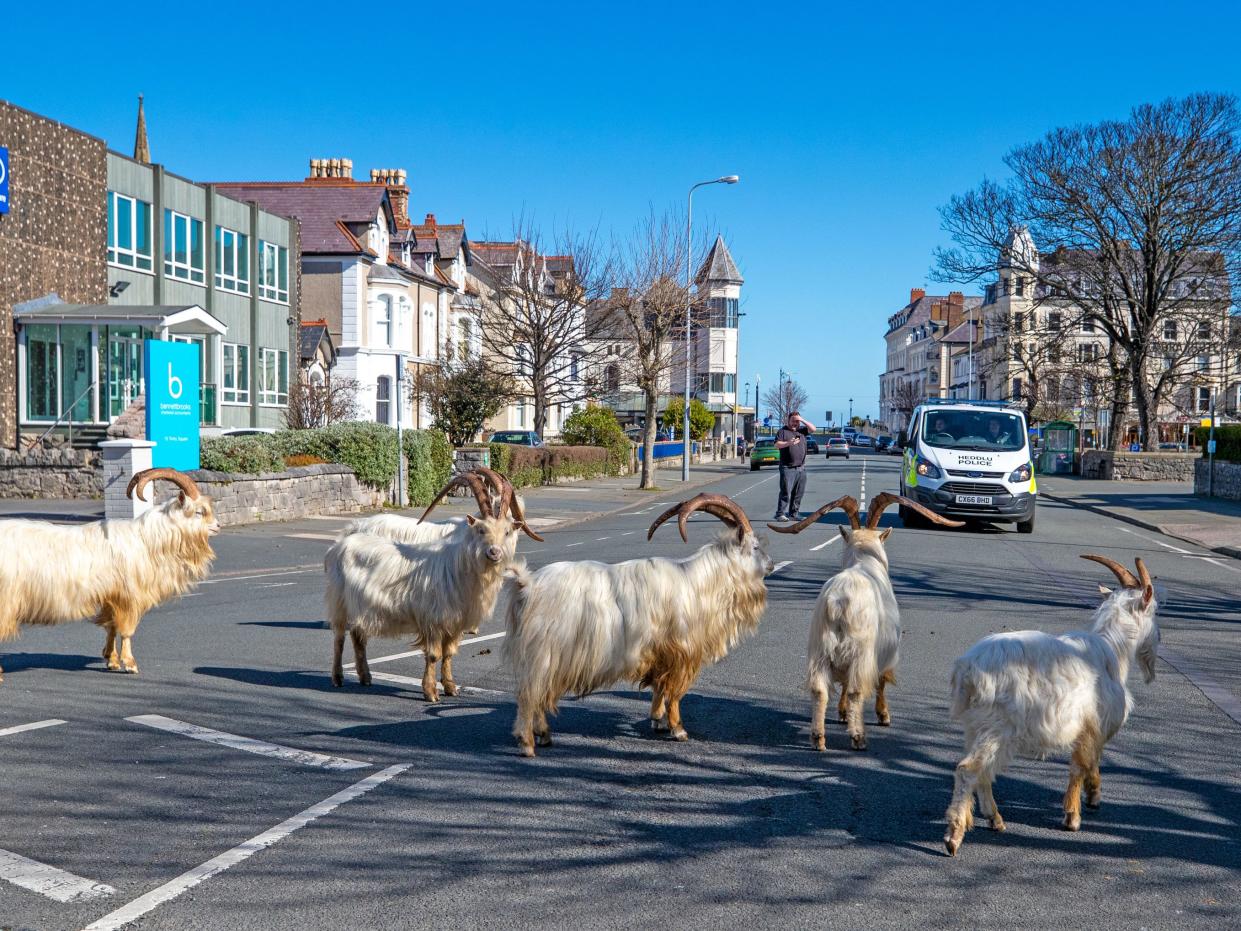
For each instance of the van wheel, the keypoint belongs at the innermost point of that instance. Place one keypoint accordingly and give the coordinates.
(909, 517)
(1026, 526)
(753, 466)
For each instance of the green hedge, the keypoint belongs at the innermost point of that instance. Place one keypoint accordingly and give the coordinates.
(598, 426)
(367, 448)
(526, 466)
(1227, 441)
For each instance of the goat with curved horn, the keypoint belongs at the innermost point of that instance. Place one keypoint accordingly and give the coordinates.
(846, 503)
(508, 499)
(138, 484)
(1123, 575)
(721, 506)
(886, 499)
(468, 480)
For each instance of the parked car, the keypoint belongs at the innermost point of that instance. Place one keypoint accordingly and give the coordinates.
(248, 431)
(895, 448)
(764, 453)
(862, 441)
(882, 442)
(812, 446)
(517, 438)
(1173, 446)
(836, 446)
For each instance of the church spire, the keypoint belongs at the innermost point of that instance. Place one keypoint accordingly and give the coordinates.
(142, 149)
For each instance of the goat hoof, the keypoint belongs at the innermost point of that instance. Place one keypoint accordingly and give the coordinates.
(885, 720)
(337, 680)
(679, 734)
(114, 665)
(527, 750)
(857, 743)
(659, 725)
(543, 740)
(131, 669)
(818, 741)
(1094, 801)
(997, 824)
(450, 688)
(1072, 821)
(365, 679)
(952, 845)
(432, 697)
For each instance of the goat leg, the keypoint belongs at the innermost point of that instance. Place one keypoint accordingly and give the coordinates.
(818, 712)
(881, 700)
(448, 650)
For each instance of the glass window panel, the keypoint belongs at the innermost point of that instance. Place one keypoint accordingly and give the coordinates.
(76, 370)
(41, 372)
(124, 223)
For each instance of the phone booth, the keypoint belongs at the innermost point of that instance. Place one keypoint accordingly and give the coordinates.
(1059, 448)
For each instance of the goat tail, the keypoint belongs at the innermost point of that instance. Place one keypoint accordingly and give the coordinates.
(862, 664)
(516, 587)
(964, 688)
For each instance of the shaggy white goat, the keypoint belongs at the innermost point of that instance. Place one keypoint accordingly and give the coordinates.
(579, 626)
(855, 632)
(113, 571)
(430, 590)
(1030, 693)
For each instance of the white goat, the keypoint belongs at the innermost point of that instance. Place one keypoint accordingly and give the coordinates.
(855, 632)
(1030, 693)
(432, 590)
(113, 571)
(579, 626)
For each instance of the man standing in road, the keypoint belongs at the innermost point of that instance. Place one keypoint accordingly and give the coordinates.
(791, 441)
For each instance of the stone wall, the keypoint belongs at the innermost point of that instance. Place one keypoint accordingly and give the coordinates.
(302, 491)
(53, 239)
(1138, 467)
(50, 473)
(1227, 479)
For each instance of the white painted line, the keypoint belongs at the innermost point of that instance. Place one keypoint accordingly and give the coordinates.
(567, 545)
(1219, 696)
(411, 682)
(601, 539)
(1212, 560)
(249, 744)
(243, 851)
(311, 536)
(755, 485)
(1166, 546)
(409, 653)
(33, 726)
(261, 575)
(781, 565)
(828, 542)
(49, 881)
(339, 518)
(628, 532)
(277, 584)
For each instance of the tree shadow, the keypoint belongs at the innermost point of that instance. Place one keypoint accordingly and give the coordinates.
(15, 662)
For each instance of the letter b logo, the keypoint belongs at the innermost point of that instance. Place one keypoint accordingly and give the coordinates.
(175, 388)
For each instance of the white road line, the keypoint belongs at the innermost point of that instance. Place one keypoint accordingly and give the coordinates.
(249, 744)
(417, 683)
(243, 851)
(828, 542)
(277, 584)
(1219, 696)
(33, 726)
(261, 575)
(409, 653)
(755, 485)
(1185, 553)
(310, 536)
(47, 880)
(601, 539)
(567, 545)
(628, 532)
(781, 565)
(659, 504)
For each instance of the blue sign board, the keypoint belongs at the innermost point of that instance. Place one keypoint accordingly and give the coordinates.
(4, 180)
(171, 371)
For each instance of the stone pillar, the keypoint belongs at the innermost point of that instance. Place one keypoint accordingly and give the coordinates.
(122, 459)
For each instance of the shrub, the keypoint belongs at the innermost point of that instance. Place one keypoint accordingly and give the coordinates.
(367, 448)
(598, 426)
(301, 459)
(1227, 441)
(248, 454)
(526, 466)
(701, 420)
(429, 455)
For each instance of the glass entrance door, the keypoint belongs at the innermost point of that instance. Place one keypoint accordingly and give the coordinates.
(124, 368)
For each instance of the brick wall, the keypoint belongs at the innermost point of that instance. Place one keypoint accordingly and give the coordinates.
(50, 473)
(1227, 482)
(1138, 467)
(53, 239)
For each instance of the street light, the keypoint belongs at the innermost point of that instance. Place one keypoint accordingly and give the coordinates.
(689, 270)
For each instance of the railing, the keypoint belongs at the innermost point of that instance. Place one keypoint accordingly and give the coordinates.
(66, 413)
(206, 405)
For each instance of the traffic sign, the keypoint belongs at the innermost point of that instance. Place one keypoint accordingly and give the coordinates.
(4, 179)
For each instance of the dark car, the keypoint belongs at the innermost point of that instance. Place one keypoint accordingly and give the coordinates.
(812, 446)
(517, 438)
(882, 442)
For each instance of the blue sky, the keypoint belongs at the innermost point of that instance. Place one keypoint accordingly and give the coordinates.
(849, 127)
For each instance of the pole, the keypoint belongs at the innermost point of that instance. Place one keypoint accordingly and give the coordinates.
(400, 450)
(1211, 448)
(689, 332)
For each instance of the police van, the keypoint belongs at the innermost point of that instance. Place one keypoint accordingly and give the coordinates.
(970, 460)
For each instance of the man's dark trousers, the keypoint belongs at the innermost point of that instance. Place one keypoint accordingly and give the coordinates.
(792, 485)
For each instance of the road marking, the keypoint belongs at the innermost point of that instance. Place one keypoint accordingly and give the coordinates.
(261, 575)
(567, 545)
(1185, 553)
(33, 726)
(311, 536)
(1219, 696)
(601, 539)
(49, 881)
(755, 485)
(659, 504)
(221, 576)
(409, 653)
(828, 542)
(249, 744)
(781, 565)
(417, 683)
(277, 584)
(243, 851)
(628, 532)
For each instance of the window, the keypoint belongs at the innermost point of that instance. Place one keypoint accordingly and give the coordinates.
(232, 261)
(183, 248)
(1021, 286)
(383, 399)
(1019, 322)
(1016, 389)
(465, 337)
(273, 376)
(1087, 352)
(273, 272)
(129, 232)
(383, 322)
(1204, 400)
(236, 374)
(1204, 363)
(1053, 321)
(1017, 352)
(1169, 330)
(1168, 363)
(722, 312)
(1204, 329)
(1005, 287)
(611, 378)
(1087, 325)
(989, 293)
(723, 382)
(575, 363)
(42, 372)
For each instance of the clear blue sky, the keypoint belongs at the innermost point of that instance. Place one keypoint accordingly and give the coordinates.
(849, 127)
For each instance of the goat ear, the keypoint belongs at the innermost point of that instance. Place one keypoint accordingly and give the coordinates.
(1148, 594)
(471, 519)
(1104, 590)
(885, 534)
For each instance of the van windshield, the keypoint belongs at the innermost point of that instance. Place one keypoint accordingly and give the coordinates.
(978, 430)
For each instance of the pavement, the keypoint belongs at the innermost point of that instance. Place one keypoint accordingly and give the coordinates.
(1170, 508)
(230, 786)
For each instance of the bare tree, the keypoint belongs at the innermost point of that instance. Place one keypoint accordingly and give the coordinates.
(1146, 215)
(784, 398)
(461, 395)
(318, 404)
(535, 326)
(904, 399)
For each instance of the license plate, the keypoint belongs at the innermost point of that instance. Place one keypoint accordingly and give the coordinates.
(974, 499)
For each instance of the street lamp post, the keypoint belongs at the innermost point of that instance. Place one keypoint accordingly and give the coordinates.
(689, 271)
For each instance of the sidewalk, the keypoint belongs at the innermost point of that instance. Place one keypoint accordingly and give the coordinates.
(57, 510)
(1165, 507)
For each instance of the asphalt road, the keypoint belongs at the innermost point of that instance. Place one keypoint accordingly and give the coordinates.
(442, 824)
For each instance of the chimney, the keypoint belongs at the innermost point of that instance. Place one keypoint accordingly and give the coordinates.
(398, 192)
(957, 298)
(916, 294)
(429, 221)
(325, 168)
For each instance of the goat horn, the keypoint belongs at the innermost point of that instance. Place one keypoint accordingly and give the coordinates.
(475, 485)
(508, 498)
(721, 506)
(1144, 577)
(846, 503)
(141, 479)
(886, 499)
(1123, 575)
